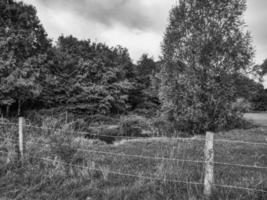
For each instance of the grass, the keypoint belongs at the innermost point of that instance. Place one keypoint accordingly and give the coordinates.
(39, 179)
(258, 118)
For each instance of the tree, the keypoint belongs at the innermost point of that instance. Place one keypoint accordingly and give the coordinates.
(23, 49)
(145, 96)
(246, 87)
(145, 68)
(204, 47)
(261, 69)
(88, 77)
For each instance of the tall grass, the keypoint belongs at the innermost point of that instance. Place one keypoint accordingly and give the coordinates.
(65, 172)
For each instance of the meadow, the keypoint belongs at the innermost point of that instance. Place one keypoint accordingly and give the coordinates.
(65, 165)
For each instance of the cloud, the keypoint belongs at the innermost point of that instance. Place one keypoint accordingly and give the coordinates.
(134, 14)
(135, 24)
(256, 19)
(101, 19)
(138, 42)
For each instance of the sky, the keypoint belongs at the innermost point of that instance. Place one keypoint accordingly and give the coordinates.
(138, 25)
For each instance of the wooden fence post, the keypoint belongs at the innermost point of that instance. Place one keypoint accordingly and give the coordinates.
(209, 165)
(21, 149)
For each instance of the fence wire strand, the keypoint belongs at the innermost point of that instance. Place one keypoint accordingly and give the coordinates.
(146, 177)
(130, 137)
(149, 157)
(146, 157)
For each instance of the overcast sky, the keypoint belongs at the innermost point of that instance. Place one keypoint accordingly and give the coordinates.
(135, 24)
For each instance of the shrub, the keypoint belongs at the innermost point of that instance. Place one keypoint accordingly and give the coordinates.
(100, 119)
(242, 105)
(61, 144)
(162, 127)
(133, 125)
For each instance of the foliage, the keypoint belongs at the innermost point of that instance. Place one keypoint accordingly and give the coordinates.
(82, 76)
(260, 101)
(23, 47)
(251, 92)
(242, 105)
(145, 95)
(246, 88)
(261, 69)
(88, 77)
(164, 128)
(46, 179)
(204, 48)
(62, 147)
(145, 68)
(133, 125)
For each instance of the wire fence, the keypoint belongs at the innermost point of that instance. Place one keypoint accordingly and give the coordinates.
(82, 133)
(140, 156)
(144, 177)
(202, 162)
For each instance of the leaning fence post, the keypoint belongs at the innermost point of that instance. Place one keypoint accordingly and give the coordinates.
(20, 152)
(209, 165)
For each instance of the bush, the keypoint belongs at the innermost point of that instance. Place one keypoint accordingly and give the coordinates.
(103, 133)
(161, 126)
(62, 146)
(242, 105)
(101, 119)
(132, 126)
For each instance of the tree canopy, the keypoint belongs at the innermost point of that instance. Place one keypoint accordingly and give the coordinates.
(23, 46)
(205, 47)
(88, 77)
(203, 70)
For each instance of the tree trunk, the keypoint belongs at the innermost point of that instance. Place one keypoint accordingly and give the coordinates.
(19, 107)
(2, 114)
(7, 110)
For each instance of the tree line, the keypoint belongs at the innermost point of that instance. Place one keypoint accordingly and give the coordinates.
(206, 59)
(80, 75)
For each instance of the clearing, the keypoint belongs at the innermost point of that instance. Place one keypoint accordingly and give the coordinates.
(258, 118)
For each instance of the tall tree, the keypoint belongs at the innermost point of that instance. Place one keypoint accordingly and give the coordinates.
(205, 46)
(145, 95)
(145, 68)
(23, 49)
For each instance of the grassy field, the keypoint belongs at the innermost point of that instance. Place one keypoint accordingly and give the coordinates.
(258, 118)
(70, 167)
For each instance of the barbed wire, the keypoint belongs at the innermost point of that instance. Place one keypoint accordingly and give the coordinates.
(84, 133)
(103, 135)
(9, 123)
(146, 177)
(111, 172)
(152, 178)
(131, 137)
(240, 142)
(171, 138)
(152, 158)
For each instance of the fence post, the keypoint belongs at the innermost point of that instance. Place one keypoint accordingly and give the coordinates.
(209, 165)
(20, 152)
